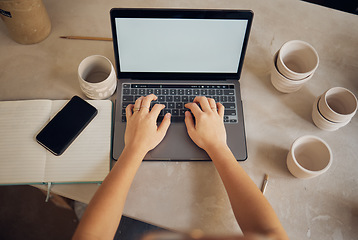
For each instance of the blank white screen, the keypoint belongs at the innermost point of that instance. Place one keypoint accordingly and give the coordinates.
(180, 45)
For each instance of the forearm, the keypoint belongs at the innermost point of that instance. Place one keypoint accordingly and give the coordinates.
(104, 212)
(102, 216)
(252, 210)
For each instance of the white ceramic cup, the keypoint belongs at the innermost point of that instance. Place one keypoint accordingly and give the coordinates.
(309, 157)
(97, 77)
(297, 60)
(338, 104)
(321, 122)
(282, 83)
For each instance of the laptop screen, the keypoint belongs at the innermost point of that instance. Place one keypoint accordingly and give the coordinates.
(180, 45)
(179, 42)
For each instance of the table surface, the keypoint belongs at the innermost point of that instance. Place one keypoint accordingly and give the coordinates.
(189, 195)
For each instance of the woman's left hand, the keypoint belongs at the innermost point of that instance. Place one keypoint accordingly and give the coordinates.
(142, 133)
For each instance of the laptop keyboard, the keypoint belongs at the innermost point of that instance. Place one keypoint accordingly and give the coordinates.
(175, 96)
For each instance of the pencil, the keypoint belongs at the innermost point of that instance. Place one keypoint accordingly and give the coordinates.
(264, 184)
(87, 38)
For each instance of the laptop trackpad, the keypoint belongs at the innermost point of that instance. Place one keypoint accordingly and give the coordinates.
(177, 145)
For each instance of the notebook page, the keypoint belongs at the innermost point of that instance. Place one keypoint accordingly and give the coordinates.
(22, 159)
(88, 158)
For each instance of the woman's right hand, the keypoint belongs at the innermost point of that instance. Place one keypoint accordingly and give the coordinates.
(142, 132)
(208, 130)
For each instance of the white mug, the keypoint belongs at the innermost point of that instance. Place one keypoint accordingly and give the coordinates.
(282, 83)
(338, 104)
(297, 60)
(321, 121)
(97, 77)
(309, 157)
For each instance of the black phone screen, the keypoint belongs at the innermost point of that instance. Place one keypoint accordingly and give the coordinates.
(66, 125)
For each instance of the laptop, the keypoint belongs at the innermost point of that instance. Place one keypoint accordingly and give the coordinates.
(178, 54)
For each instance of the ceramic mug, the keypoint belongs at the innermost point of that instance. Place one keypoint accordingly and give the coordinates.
(297, 60)
(321, 121)
(97, 77)
(27, 21)
(338, 104)
(282, 83)
(309, 157)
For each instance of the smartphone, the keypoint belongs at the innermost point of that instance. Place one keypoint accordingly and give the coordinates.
(66, 125)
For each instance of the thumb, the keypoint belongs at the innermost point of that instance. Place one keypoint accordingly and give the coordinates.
(189, 122)
(163, 127)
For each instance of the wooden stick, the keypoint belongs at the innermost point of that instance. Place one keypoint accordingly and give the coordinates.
(87, 38)
(264, 184)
